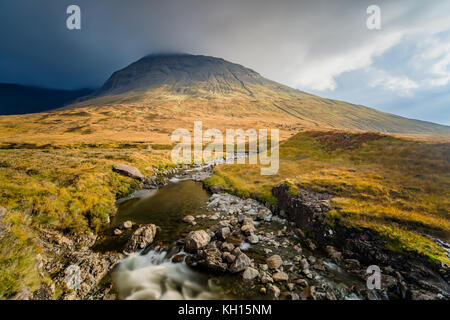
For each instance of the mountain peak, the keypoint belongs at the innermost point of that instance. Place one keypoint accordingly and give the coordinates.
(182, 73)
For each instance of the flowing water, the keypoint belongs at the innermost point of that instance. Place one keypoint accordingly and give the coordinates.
(152, 275)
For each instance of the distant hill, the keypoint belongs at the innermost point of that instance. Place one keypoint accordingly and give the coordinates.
(157, 94)
(18, 99)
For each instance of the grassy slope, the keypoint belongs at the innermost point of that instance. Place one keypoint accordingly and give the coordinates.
(396, 187)
(71, 188)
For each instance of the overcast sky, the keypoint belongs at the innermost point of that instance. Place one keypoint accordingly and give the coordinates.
(322, 47)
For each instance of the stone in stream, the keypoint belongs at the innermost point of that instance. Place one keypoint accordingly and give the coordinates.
(273, 291)
(127, 225)
(274, 262)
(248, 229)
(141, 238)
(128, 171)
(228, 257)
(250, 274)
(211, 259)
(241, 263)
(226, 246)
(223, 233)
(333, 253)
(189, 220)
(253, 239)
(196, 240)
(280, 276)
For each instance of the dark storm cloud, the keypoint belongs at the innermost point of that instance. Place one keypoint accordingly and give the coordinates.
(310, 45)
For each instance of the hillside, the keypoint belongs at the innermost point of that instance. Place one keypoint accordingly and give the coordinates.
(150, 98)
(17, 99)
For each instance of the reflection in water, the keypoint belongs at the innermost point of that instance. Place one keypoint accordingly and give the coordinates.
(165, 208)
(152, 277)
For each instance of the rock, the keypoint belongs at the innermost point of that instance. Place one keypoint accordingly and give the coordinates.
(264, 267)
(211, 259)
(291, 286)
(273, 291)
(217, 189)
(127, 225)
(117, 232)
(302, 282)
(308, 293)
(311, 245)
(250, 273)
(196, 240)
(236, 251)
(299, 233)
(223, 233)
(141, 238)
(333, 253)
(266, 278)
(304, 264)
(262, 290)
(280, 276)
(189, 220)
(178, 258)
(253, 239)
(247, 221)
(248, 229)
(2, 211)
(128, 171)
(274, 262)
(226, 246)
(312, 259)
(241, 263)
(228, 257)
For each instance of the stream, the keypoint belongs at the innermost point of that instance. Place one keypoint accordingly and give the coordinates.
(151, 275)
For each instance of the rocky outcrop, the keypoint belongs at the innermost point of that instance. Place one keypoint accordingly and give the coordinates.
(141, 238)
(354, 250)
(128, 171)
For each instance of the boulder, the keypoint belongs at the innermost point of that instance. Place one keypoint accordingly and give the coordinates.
(280, 276)
(228, 257)
(211, 259)
(250, 273)
(226, 246)
(333, 253)
(196, 240)
(128, 171)
(274, 262)
(253, 239)
(141, 238)
(240, 264)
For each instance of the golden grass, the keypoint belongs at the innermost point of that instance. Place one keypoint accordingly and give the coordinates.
(397, 187)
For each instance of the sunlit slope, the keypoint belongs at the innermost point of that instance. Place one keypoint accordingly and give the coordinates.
(157, 94)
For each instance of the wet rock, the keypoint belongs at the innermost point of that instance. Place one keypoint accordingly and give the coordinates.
(127, 225)
(128, 171)
(248, 229)
(274, 262)
(178, 258)
(266, 278)
(308, 293)
(262, 290)
(228, 257)
(226, 246)
(223, 233)
(211, 259)
(189, 220)
(250, 273)
(333, 253)
(196, 240)
(273, 291)
(117, 232)
(141, 238)
(241, 263)
(253, 239)
(280, 276)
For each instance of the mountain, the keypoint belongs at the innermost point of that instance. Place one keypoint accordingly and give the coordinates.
(157, 94)
(18, 99)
